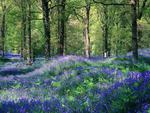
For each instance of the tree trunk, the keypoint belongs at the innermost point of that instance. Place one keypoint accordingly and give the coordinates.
(65, 41)
(29, 36)
(105, 32)
(134, 30)
(86, 30)
(3, 30)
(24, 27)
(46, 22)
(61, 26)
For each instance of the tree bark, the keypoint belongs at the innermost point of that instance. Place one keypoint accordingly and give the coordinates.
(86, 30)
(46, 22)
(134, 30)
(24, 29)
(105, 32)
(61, 26)
(3, 30)
(29, 36)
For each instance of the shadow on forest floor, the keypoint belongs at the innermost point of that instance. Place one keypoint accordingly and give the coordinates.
(14, 71)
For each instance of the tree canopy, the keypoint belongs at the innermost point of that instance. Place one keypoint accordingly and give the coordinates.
(36, 28)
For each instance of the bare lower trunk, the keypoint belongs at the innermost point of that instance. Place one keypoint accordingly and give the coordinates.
(61, 26)
(3, 31)
(46, 22)
(24, 28)
(29, 37)
(105, 33)
(134, 30)
(86, 31)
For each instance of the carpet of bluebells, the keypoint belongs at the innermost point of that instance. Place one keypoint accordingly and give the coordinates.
(74, 84)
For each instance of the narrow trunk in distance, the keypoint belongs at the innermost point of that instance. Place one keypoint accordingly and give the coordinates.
(46, 22)
(86, 30)
(134, 30)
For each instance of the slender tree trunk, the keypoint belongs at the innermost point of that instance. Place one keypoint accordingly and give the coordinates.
(24, 37)
(21, 46)
(105, 32)
(134, 30)
(24, 27)
(34, 51)
(46, 22)
(86, 30)
(61, 26)
(65, 40)
(29, 36)
(3, 30)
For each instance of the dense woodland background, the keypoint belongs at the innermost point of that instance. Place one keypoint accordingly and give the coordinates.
(34, 28)
(74, 56)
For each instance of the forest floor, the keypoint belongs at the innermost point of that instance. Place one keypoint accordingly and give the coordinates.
(74, 84)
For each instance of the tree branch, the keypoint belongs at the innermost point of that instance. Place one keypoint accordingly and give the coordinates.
(118, 4)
